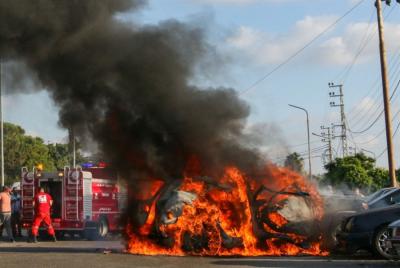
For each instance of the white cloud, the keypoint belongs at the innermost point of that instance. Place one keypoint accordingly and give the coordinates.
(342, 49)
(245, 38)
(265, 48)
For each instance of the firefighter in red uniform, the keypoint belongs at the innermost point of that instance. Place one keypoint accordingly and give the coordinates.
(42, 204)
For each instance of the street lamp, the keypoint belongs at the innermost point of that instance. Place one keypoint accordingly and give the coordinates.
(2, 79)
(308, 138)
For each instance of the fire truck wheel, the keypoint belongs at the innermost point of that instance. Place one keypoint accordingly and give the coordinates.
(59, 235)
(102, 228)
(99, 232)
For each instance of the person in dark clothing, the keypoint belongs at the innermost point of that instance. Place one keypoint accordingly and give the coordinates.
(16, 213)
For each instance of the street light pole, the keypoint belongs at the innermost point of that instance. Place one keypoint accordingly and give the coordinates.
(308, 139)
(1, 123)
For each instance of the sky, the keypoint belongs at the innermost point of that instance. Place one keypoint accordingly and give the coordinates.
(252, 37)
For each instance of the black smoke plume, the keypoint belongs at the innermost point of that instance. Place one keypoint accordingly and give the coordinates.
(126, 86)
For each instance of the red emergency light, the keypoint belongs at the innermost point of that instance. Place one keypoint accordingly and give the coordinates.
(102, 164)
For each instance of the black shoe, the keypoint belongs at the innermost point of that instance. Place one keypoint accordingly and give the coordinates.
(54, 239)
(12, 240)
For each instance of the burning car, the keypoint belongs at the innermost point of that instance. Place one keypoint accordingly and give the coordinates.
(232, 215)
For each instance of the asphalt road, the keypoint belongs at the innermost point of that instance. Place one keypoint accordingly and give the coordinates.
(79, 253)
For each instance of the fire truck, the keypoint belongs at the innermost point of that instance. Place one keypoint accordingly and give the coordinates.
(86, 201)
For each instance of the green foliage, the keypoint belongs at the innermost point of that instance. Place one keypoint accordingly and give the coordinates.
(380, 177)
(21, 150)
(61, 156)
(295, 162)
(356, 171)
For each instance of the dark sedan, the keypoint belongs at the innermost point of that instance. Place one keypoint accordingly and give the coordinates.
(369, 230)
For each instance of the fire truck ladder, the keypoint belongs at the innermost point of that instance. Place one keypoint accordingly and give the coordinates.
(24, 195)
(75, 207)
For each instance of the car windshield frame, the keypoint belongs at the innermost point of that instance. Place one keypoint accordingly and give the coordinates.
(370, 198)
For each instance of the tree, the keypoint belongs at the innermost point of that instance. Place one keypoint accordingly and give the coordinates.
(21, 150)
(295, 162)
(61, 155)
(14, 150)
(37, 153)
(380, 178)
(356, 171)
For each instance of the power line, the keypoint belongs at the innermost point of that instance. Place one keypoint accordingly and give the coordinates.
(377, 118)
(394, 71)
(302, 144)
(381, 132)
(279, 66)
(302, 154)
(363, 44)
(359, 52)
(394, 133)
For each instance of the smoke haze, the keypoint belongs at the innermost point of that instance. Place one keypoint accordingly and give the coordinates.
(126, 86)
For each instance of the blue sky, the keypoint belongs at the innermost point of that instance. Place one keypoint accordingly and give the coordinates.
(254, 36)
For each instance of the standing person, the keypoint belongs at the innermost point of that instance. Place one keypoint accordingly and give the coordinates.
(42, 204)
(5, 211)
(358, 193)
(16, 213)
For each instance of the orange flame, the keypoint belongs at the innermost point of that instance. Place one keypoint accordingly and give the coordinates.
(277, 219)
(221, 221)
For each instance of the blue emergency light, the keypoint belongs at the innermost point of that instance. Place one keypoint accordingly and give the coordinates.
(87, 165)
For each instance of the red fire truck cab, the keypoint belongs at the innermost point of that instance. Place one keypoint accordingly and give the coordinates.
(86, 201)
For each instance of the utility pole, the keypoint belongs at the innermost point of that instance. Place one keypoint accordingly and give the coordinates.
(385, 86)
(353, 150)
(327, 137)
(343, 135)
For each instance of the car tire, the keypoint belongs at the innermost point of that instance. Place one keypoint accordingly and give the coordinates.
(380, 246)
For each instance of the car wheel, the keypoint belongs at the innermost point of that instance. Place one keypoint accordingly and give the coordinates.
(380, 244)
